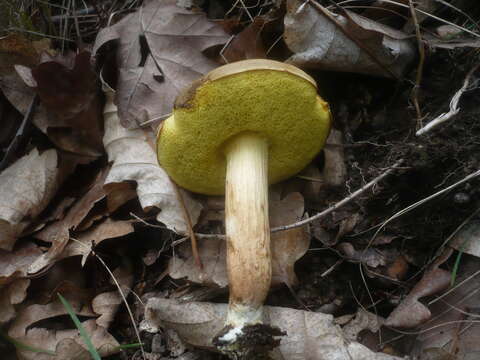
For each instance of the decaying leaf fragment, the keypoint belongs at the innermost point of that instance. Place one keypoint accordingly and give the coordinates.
(134, 159)
(310, 336)
(287, 247)
(58, 233)
(318, 43)
(70, 96)
(174, 39)
(26, 187)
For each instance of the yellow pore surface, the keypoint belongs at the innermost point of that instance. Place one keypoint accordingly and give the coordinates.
(281, 107)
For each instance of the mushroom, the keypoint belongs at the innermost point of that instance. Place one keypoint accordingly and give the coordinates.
(241, 127)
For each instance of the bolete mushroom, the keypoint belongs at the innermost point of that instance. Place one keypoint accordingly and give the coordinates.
(241, 127)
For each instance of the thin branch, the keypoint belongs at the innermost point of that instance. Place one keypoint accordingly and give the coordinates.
(342, 202)
(421, 52)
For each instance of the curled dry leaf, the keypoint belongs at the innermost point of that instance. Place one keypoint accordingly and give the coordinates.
(287, 247)
(70, 96)
(24, 330)
(175, 37)
(58, 233)
(133, 158)
(317, 42)
(310, 336)
(26, 187)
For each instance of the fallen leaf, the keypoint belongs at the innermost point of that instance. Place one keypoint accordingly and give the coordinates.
(453, 330)
(70, 95)
(317, 42)
(466, 239)
(26, 187)
(287, 247)
(12, 294)
(149, 83)
(58, 233)
(24, 330)
(107, 304)
(247, 44)
(310, 335)
(107, 229)
(411, 312)
(290, 245)
(371, 256)
(14, 264)
(363, 320)
(133, 158)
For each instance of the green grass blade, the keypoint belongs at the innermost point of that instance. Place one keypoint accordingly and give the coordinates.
(81, 329)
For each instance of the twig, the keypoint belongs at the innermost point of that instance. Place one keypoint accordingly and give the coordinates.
(421, 52)
(342, 202)
(454, 109)
(324, 213)
(191, 233)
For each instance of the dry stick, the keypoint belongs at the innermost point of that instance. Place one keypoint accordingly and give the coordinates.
(324, 213)
(421, 51)
(342, 202)
(358, 42)
(454, 110)
(191, 233)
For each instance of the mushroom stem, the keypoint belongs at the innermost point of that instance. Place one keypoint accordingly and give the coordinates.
(247, 228)
(248, 249)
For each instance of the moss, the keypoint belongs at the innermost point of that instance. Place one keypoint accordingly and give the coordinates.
(285, 109)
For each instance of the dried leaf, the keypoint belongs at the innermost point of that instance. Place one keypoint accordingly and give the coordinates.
(24, 330)
(318, 43)
(363, 320)
(71, 98)
(290, 245)
(134, 159)
(287, 248)
(14, 264)
(108, 303)
(108, 229)
(26, 187)
(454, 326)
(58, 233)
(466, 239)
(411, 312)
(11, 295)
(175, 37)
(247, 44)
(310, 336)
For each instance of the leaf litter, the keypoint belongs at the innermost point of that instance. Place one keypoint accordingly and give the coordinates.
(84, 190)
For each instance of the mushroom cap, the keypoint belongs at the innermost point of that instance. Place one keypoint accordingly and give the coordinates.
(275, 100)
